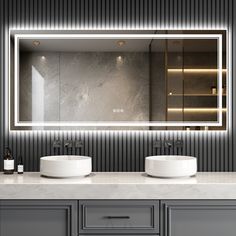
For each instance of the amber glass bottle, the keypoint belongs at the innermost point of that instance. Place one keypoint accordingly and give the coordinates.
(8, 162)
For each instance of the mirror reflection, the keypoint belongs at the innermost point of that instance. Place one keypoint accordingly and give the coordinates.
(121, 81)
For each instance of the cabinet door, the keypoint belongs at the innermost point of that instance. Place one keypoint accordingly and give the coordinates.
(38, 218)
(198, 218)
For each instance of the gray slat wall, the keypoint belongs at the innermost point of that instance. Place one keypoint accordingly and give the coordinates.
(117, 150)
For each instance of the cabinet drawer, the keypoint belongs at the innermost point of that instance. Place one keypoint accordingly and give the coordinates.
(113, 216)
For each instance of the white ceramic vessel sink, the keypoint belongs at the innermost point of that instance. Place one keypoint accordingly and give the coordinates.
(65, 166)
(171, 166)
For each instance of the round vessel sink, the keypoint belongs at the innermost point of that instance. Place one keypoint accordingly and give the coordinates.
(65, 166)
(171, 166)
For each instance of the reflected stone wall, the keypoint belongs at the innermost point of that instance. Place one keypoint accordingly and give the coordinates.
(85, 86)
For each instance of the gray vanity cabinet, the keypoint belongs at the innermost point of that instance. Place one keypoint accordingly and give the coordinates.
(38, 218)
(117, 217)
(198, 218)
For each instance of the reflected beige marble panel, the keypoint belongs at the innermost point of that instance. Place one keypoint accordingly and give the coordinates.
(104, 86)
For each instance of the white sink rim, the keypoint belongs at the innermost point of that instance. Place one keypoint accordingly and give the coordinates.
(65, 166)
(171, 158)
(171, 166)
(63, 158)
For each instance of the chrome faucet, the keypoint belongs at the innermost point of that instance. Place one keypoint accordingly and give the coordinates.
(165, 147)
(168, 144)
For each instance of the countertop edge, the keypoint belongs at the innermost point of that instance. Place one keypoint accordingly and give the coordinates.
(125, 186)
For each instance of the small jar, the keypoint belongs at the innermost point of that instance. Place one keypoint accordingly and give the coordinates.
(213, 90)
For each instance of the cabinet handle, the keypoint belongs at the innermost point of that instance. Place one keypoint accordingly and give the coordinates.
(117, 217)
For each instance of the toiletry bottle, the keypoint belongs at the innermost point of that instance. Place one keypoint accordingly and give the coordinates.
(213, 90)
(8, 162)
(20, 166)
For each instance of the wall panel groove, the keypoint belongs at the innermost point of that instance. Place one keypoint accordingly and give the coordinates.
(116, 150)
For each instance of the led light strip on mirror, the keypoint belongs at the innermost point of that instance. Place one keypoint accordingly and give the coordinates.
(219, 72)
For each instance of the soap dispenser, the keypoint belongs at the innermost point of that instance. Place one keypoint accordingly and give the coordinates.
(8, 162)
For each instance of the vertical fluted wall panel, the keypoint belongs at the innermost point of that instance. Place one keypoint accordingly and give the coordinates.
(1, 78)
(117, 150)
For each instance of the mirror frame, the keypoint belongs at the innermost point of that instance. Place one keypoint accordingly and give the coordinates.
(18, 123)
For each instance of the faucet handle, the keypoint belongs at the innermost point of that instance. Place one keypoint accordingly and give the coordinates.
(56, 143)
(179, 143)
(79, 144)
(157, 144)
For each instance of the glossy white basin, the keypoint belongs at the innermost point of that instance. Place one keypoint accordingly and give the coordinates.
(65, 166)
(171, 166)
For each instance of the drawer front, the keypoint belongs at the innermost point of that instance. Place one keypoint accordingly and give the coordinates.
(113, 216)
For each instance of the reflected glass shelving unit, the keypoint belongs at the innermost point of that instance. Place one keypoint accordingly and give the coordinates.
(191, 83)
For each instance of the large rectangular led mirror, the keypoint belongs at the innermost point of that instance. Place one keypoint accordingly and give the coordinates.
(149, 80)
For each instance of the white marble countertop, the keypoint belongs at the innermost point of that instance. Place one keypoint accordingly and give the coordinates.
(114, 185)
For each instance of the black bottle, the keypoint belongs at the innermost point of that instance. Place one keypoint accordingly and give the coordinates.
(20, 166)
(8, 162)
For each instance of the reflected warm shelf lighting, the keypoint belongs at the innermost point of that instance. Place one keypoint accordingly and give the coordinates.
(199, 110)
(195, 70)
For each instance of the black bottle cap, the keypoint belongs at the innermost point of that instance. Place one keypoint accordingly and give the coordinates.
(8, 151)
(20, 160)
